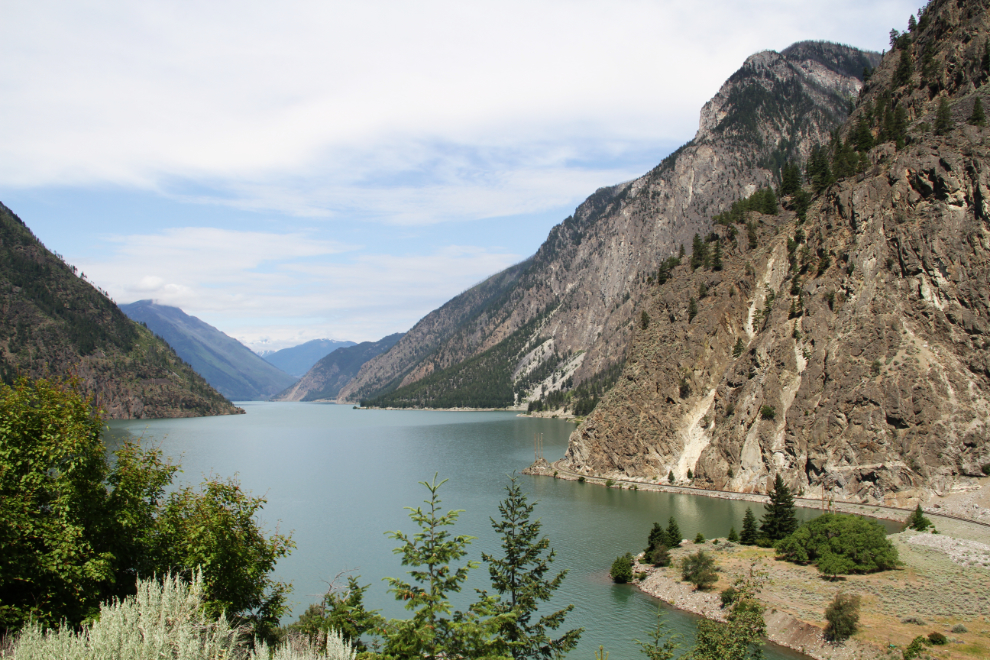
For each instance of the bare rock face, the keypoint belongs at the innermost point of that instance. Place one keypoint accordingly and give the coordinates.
(583, 287)
(850, 353)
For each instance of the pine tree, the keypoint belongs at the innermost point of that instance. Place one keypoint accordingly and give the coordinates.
(520, 578)
(692, 308)
(779, 521)
(435, 631)
(658, 537)
(733, 536)
(673, 533)
(749, 532)
(978, 118)
(905, 69)
(943, 117)
(790, 179)
(717, 256)
(918, 521)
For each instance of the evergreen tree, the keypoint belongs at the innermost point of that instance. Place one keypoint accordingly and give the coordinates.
(435, 631)
(658, 537)
(912, 23)
(779, 521)
(918, 521)
(674, 537)
(985, 62)
(978, 118)
(717, 253)
(521, 579)
(905, 69)
(733, 536)
(662, 644)
(943, 117)
(862, 136)
(790, 179)
(692, 308)
(699, 252)
(749, 532)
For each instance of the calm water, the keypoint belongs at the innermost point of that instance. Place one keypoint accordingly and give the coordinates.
(339, 478)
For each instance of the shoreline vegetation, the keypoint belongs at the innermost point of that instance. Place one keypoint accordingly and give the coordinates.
(940, 586)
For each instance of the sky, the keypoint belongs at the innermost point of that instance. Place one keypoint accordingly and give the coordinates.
(298, 170)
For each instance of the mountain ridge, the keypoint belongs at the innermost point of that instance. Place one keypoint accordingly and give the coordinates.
(577, 296)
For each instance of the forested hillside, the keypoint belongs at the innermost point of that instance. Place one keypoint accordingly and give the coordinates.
(55, 323)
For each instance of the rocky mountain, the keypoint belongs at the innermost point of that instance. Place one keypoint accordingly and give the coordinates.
(226, 364)
(850, 351)
(565, 316)
(55, 323)
(297, 360)
(324, 380)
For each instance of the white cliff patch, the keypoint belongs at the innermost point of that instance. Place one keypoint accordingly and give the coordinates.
(695, 435)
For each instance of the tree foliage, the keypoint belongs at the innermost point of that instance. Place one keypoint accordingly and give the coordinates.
(521, 577)
(779, 521)
(842, 615)
(77, 529)
(750, 533)
(917, 520)
(740, 637)
(621, 571)
(433, 554)
(663, 644)
(699, 570)
(840, 544)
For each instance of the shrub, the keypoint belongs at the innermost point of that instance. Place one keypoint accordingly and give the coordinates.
(700, 538)
(986, 469)
(915, 648)
(732, 535)
(640, 575)
(729, 595)
(609, 483)
(163, 619)
(690, 474)
(621, 571)
(581, 479)
(738, 348)
(917, 520)
(767, 412)
(849, 543)
(842, 615)
(644, 320)
(699, 570)
(659, 556)
(916, 620)
(938, 639)
(960, 628)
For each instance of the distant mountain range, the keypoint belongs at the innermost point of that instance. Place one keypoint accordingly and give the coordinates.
(297, 360)
(54, 323)
(228, 365)
(327, 376)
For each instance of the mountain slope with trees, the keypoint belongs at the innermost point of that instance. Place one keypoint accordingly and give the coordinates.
(232, 368)
(55, 323)
(578, 297)
(844, 342)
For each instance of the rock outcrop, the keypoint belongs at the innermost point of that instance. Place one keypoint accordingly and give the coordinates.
(849, 353)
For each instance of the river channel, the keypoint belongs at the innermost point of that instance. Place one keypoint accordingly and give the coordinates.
(339, 478)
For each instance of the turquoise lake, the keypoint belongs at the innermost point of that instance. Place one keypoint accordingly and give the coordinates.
(338, 479)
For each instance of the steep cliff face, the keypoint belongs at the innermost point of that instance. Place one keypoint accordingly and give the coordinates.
(849, 353)
(54, 323)
(576, 299)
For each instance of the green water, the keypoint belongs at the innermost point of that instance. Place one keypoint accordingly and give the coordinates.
(339, 478)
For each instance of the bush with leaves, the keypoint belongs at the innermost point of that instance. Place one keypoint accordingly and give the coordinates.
(699, 570)
(860, 545)
(621, 571)
(740, 637)
(109, 522)
(842, 615)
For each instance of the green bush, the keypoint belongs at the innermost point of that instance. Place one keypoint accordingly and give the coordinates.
(729, 595)
(915, 648)
(839, 544)
(659, 556)
(700, 538)
(986, 469)
(108, 522)
(842, 615)
(609, 483)
(917, 520)
(767, 412)
(733, 537)
(621, 571)
(699, 570)
(937, 639)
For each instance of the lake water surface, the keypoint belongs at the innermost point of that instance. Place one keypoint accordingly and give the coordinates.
(338, 478)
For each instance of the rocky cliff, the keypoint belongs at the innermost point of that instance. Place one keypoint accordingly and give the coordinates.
(324, 380)
(567, 314)
(850, 352)
(55, 323)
